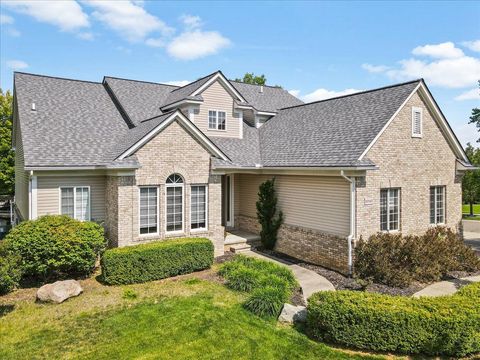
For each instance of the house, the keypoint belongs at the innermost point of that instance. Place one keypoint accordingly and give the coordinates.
(154, 161)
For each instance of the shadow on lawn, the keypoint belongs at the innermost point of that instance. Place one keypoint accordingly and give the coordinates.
(5, 309)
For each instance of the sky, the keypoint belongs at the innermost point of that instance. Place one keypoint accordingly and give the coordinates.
(315, 50)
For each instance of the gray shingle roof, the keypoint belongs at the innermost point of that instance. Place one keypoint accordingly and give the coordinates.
(332, 132)
(271, 99)
(140, 99)
(186, 91)
(75, 124)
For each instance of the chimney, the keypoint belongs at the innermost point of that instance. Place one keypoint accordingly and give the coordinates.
(34, 108)
(261, 89)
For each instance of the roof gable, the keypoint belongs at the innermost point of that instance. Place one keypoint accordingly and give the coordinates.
(149, 129)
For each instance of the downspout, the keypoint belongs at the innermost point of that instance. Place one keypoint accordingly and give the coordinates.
(351, 236)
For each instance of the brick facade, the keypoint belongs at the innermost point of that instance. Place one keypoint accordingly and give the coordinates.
(173, 150)
(306, 244)
(413, 165)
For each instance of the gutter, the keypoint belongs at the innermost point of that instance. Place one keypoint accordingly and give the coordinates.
(351, 236)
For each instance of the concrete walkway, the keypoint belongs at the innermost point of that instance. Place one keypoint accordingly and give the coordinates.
(309, 280)
(448, 287)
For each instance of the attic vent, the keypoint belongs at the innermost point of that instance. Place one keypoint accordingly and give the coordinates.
(417, 125)
(34, 108)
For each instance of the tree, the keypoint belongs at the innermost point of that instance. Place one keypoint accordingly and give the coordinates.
(251, 78)
(269, 218)
(7, 155)
(471, 179)
(475, 118)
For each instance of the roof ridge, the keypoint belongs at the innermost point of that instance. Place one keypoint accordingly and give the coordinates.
(354, 94)
(142, 81)
(193, 82)
(57, 77)
(270, 86)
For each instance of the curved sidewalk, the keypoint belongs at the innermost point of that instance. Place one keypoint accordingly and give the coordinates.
(309, 280)
(447, 287)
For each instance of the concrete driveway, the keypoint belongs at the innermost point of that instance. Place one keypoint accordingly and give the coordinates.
(472, 239)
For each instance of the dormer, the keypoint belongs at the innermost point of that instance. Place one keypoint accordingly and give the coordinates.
(212, 104)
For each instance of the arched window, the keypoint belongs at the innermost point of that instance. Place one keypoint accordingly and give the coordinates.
(174, 203)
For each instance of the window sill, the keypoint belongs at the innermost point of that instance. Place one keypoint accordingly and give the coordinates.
(174, 234)
(146, 236)
(196, 231)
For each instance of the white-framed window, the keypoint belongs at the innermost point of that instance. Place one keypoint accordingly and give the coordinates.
(217, 120)
(75, 202)
(174, 203)
(148, 210)
(417, 122)
(198, 207)
(437, 205)
(390, 209)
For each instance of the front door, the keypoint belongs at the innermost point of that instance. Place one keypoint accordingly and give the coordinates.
(227, 203)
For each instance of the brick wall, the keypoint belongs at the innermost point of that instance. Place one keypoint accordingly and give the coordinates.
(412, 164)
(174, 150)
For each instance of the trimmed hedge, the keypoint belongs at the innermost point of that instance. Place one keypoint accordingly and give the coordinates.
(270, 284)
(397, 260)
(54, 246)
(156, 260)
(448, 325)
(10, 270)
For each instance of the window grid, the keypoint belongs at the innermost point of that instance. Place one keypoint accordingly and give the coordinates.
(148, 210)
(217, 120)
(389, 209)
(437, 205)
(198, 207)
(75, 202)
(174, 203)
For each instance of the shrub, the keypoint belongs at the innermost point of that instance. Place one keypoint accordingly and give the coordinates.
(270, 284)
(269, 218)
(156, 260)
(10, 270)
(395, 260)
(448, 325)
(267, 301)
(56, 246)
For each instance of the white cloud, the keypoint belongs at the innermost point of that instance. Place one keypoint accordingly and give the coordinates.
(322, 94)
(5, 19)
(13, 32)
(450, 73)
(196, 44)
(294, 92)
(472, 45)
(191, 22)
(447, 70)
(375, 68)
(177, 82)
(473, 94)
(17, 64)
(128, 18)
(446, 50)
(85, 36)
(155, 42)
(67, 14)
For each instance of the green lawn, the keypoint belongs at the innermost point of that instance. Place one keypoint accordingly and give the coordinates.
(466, 212)
(187, 318)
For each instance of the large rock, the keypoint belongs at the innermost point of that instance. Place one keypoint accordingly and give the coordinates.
(292, 314)
(59, 291)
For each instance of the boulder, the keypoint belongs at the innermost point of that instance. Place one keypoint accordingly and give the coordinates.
(59, 291)
(293, 314)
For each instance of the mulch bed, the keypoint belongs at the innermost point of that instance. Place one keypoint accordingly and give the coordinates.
(342, 282)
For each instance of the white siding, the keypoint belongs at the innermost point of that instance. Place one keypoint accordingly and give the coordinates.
(48, 193)
(215, 97)
(315, 202)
